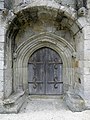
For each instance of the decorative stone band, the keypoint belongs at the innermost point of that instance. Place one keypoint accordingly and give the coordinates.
(27, 48)
(64, 15)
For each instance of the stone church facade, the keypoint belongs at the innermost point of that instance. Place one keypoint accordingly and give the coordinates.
(44, 49)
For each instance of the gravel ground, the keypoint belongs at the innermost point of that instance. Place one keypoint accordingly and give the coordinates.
(46, 109)
(47, 115)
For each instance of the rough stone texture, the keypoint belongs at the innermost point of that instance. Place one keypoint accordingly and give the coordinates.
(87, 60)
(46, 109)
(45, 23)
(1, 57)
(74, 102)
(64, 2)
(13, 103)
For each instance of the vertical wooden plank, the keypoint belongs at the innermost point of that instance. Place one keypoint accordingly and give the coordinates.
(53, 72)
(48, 70)
(36, 72)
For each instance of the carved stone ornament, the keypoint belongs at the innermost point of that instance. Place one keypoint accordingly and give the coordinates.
(82, 11)
(14, 55)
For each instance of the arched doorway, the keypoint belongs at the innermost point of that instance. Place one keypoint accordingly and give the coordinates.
(45, 72)
(36, 26)
(28, 48)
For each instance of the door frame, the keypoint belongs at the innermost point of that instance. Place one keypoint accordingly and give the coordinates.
(27, 48)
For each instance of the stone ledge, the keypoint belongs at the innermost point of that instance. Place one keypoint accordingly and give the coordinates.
(75, 102)
(14, 97)
(13, 103)
(87, 104)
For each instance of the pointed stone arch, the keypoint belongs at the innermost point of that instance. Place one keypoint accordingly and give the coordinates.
(26, 49)
(16, 60)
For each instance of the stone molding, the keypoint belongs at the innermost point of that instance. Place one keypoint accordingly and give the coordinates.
(26, 49)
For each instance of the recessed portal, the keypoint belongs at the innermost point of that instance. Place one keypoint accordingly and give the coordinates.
(45, 73)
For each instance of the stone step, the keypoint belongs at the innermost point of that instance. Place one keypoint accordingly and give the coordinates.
(14, 102)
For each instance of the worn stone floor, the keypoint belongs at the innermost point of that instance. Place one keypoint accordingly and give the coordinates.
(46, 108)
(43, 103)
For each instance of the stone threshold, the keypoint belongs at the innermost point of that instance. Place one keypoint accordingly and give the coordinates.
(13, 103)
(46, 96)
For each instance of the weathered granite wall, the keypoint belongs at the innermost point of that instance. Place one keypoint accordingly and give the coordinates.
(2, 41)
(76, 32)
(86, 30)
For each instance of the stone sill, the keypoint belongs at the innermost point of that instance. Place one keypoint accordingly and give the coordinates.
(13, 103)
(14, 97)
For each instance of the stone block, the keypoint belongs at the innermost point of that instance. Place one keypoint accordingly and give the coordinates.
(14, 102)
(80, 70)
(86, 63)
(81, 63)
(86, 31)
(87, 88)
(67, 35)
(1, 38)
(87, 99)
(1, 5)
(88, 5)
(70, 22)
(78, 37)
(1, 86)
(87, 36)
(8, 86)
(1, 54)
(86, 71)
(54, 4)
(78, 88)
(75, 28)
(87, 104)
(1, 79)
(65, 2)
(1, 58)
(86, 91)
(79, 46)
(87, 82)
(68, 12)
(81, 21)
(87, 94)
(87, 55)
(64, 22)
(80, 55)
(87, 45)
(87, 79)
(74, 102)
(1, 95)
(1, 64)
(1, 73)
(1, 47)
(1, 31)
(17, 2)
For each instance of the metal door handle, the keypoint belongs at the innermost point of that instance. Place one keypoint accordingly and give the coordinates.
(55, 82)
(35, 83)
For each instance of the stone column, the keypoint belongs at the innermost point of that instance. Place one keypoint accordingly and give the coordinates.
(87, 59)
(1, 52)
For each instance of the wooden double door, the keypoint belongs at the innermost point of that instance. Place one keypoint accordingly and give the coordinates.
(45, 73)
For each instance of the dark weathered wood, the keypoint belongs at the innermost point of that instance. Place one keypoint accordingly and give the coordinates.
(45, 72)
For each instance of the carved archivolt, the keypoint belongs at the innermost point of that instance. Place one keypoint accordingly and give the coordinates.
(20, 56)
(27, 48)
